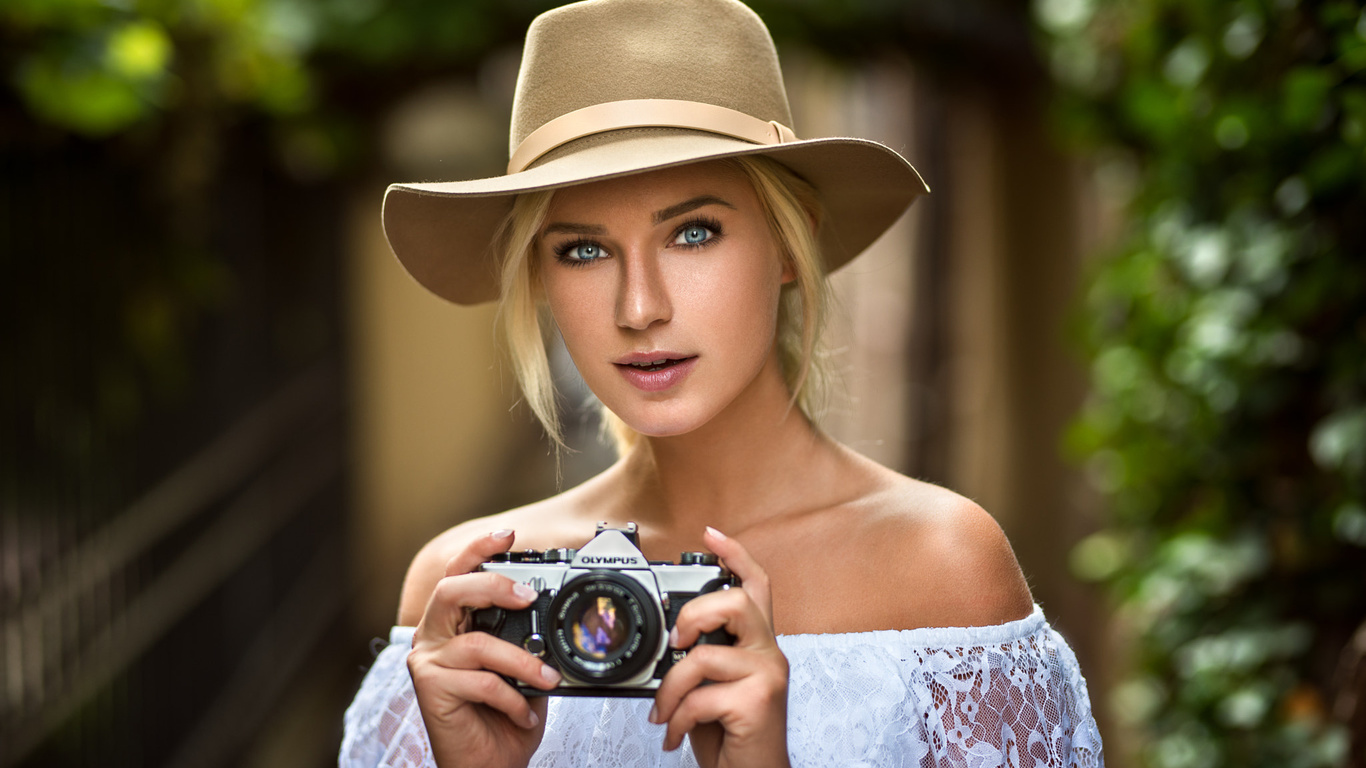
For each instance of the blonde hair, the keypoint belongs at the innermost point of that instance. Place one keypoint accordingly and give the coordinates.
(791, 206)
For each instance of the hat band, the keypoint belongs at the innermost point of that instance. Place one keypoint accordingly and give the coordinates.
(646, 113)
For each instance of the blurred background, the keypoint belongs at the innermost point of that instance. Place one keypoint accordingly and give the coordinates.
(1130, 321)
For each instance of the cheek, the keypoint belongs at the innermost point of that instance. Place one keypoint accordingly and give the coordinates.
(579, 323)
(573, 297)
(575, 313)
(739, 306)
(755, 289)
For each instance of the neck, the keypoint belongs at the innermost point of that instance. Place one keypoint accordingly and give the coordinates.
(743, 466)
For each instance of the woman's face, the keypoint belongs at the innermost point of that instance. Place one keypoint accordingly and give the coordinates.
(665, 287)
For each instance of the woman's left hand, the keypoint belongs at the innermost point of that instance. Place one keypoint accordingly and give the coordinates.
(740, 719)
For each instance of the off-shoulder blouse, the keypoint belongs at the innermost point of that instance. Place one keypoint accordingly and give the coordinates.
(1004, 695)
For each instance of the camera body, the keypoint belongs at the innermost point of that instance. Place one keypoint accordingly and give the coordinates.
(603, 614)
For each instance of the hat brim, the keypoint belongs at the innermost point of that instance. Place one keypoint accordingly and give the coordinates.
(442, 232)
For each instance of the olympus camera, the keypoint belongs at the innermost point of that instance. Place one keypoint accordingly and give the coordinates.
(604, 612)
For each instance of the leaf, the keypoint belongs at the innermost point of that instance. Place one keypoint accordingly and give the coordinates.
(1304, 97)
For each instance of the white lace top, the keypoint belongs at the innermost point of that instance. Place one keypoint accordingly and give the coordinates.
(1007, 695)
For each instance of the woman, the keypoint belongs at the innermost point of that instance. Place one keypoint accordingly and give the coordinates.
(660, 210)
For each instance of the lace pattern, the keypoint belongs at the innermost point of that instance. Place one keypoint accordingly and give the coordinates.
(1008, 695)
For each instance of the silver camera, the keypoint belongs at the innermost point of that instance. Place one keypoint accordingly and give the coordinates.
(603, 613)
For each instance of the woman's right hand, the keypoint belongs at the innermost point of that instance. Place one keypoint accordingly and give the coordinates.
(473, 716)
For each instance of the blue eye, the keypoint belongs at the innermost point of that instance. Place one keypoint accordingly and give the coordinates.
(582, 252)
(693, 234)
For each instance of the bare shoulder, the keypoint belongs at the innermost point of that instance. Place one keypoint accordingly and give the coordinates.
(429, 565)
(563, 520)
(949, 552)
(533, 527)
(885, 551)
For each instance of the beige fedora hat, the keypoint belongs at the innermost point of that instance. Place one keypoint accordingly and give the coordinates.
(609, 88)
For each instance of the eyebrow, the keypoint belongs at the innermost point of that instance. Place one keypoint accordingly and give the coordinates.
(659, 217)
(574, 229)
(688, 206)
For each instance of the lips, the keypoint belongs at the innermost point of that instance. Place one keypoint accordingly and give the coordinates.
(655, 365)
(655, 371)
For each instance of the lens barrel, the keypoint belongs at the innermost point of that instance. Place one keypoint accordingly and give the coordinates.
(604, 627)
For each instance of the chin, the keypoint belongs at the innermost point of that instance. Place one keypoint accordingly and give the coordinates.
(662, 422)
(662, 427)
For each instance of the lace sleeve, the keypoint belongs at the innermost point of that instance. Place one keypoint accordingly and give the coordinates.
(1010, 695)
(383, 724)
(986, 697)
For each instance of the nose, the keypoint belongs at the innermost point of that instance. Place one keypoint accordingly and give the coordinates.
(642, 296)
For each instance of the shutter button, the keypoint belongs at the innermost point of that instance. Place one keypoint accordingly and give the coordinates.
(697, 558)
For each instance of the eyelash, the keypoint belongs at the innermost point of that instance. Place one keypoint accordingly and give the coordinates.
(562, 250)
(706, 222)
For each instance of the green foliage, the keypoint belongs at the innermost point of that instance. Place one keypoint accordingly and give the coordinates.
(99, 68)
(1227, 423)
(102, 82)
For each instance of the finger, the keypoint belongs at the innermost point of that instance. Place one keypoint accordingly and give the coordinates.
(702, 705)
(479, 650)
(480, 550)
(459, 687)
(454, 596)
(717, 663)
(753, 578)
(733, 610)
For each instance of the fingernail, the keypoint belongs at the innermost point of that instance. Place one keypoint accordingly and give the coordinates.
(501, 534)
(524, 592)
(716, 533)
(532, 719)
(654, 714)
(550, 674)
(673, 637)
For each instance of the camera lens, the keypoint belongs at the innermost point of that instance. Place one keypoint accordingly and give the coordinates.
(600, 629)
(605, 627)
